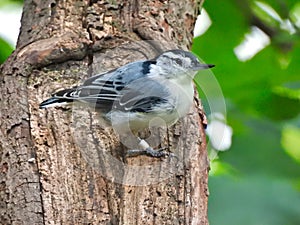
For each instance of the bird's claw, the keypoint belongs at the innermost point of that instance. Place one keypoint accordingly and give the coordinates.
(149, 152)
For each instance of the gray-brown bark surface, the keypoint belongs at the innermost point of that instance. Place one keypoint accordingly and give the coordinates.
(60, 166)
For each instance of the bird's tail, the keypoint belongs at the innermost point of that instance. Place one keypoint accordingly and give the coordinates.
(60, 98)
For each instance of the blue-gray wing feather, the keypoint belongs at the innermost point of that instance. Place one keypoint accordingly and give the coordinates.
(125, 89)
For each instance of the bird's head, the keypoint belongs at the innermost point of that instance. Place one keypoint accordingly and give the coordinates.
(178, 62)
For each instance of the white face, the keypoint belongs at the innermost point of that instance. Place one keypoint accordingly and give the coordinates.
(178, 62)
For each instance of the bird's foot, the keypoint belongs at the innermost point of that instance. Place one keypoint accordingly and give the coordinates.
(148, 152)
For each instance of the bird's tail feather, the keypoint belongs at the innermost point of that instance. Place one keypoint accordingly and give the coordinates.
(60, 98)
(54, 101)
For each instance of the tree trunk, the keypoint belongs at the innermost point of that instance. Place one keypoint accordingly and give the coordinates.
(60, 165)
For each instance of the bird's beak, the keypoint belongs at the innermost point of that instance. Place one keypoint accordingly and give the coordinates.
(203, 67)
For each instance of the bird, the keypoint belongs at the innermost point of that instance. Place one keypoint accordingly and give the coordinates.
(133, 95)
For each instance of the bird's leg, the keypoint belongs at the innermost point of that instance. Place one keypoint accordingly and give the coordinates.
(147, 150)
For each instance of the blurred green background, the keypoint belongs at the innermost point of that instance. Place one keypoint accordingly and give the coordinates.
(257, 181)
(10, 15)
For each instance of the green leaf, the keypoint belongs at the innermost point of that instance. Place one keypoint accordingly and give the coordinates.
(288, 92)
(290, 141)
(9, 2)
(275, 104)
(5, 50)
(266, 13)
(218, 168)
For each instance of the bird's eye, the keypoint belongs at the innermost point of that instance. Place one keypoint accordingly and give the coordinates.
(178, 61)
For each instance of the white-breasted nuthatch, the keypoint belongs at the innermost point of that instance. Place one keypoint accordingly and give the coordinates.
(133, 95)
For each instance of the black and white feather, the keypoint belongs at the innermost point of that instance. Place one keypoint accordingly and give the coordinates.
(139, 90)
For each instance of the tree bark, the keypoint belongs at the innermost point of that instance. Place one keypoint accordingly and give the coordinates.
(60, 165)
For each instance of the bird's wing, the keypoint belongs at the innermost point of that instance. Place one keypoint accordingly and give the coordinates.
(121, 88)
(125, 89)
(124, 74)
(145, 95)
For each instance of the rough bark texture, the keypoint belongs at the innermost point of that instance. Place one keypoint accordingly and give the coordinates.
(60, 166)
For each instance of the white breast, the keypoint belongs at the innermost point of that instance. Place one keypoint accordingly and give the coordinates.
(184, 91)
(181, 97)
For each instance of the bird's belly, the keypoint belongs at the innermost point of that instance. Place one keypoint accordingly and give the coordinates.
(179, 103)
(124, 122)
(134, 121)
(184, 99)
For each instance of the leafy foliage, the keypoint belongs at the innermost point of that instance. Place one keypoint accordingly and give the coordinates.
(5, 50)
(8, 2)
(257, 180)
